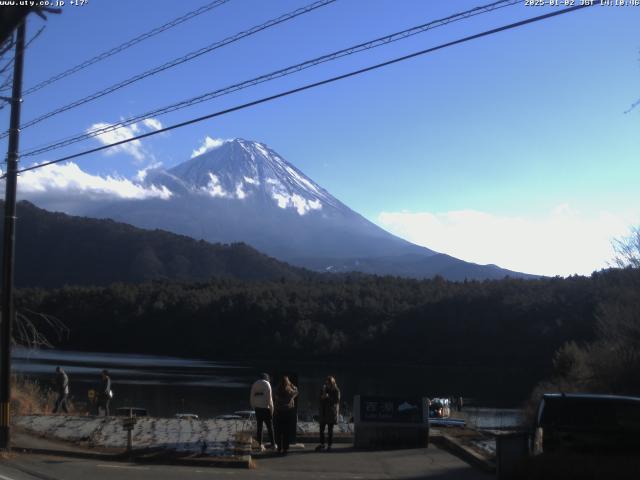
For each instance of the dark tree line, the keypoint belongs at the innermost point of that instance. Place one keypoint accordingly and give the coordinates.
(514, 323)
(609, 362)
(54, 249)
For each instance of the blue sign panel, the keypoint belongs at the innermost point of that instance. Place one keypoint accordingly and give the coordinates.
(388, 409)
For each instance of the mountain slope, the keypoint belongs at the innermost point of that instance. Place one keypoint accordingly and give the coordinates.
(414, 266)
(243, 191)
(53, 249)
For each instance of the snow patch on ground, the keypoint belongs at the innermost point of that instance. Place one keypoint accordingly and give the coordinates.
(183, 435)
(314, 428)
(487, 445)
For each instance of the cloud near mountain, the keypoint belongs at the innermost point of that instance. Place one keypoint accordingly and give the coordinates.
(563, 242)
(133, 148)
(243, 191)
(65, 182)
(207, 145)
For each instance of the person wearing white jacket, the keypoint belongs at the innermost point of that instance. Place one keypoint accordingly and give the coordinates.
(262, 402)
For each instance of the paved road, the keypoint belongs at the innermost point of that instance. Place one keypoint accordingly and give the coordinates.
(342, 463)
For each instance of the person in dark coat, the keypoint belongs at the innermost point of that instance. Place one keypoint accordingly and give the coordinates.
(62, 389)
(104, 393)
(285, 413)
(329, 411)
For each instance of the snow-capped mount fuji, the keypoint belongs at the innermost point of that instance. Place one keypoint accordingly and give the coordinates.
(243, 191)
(242, 169)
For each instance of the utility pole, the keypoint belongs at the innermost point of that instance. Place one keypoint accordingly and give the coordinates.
(9, 242)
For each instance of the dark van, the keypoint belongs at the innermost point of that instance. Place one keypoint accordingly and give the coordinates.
(584, 423)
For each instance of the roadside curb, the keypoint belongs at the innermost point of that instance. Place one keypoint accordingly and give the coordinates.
(465, 453)
(169, 458)
(68, 453)
(166, 458)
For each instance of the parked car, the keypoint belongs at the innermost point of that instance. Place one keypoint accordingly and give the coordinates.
(439, 408)
(575, 422)
(186, 416)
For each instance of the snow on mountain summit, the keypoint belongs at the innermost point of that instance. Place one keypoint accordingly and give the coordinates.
(242, 169)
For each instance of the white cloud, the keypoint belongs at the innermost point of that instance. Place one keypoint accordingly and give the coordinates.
(207, 145)
(133, 148)
(64, 182)
(142, 174)
(563, 242)
(152, 123)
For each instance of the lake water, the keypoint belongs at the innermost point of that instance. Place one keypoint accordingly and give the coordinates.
(168, 385)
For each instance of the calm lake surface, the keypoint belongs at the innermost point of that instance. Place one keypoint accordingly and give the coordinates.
(169, 385)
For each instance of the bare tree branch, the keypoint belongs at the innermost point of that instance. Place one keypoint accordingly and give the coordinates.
(34, 329)
(627, 250)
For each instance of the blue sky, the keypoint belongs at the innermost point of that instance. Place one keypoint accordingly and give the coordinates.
(512, 149)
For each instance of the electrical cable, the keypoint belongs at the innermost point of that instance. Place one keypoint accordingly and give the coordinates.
(314, 85)
(272, 76)
(124, 46)
(175, 62)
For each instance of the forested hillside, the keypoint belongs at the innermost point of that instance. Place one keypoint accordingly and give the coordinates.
(54, 249)
(519, 323)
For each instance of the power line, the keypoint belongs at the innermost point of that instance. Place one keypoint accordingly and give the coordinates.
(177, 61)
(274, 75)
(314, 85)
(128, 44)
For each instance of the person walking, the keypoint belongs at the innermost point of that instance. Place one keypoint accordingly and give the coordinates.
(62, 388)
(261, 400)
(285, 413)
(104, 393)
(329, 411)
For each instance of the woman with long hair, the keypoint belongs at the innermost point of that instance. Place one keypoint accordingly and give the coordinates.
(285, 413)
(329, 411)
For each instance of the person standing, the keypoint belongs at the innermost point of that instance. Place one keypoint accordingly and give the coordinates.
(62, 388)
(285, 413)
(329, 411)
(104, 393)
(261, 400)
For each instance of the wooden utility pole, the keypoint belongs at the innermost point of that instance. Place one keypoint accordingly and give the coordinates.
(9, 242)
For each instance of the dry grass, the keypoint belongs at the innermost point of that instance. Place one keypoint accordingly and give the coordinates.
(29, 397)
